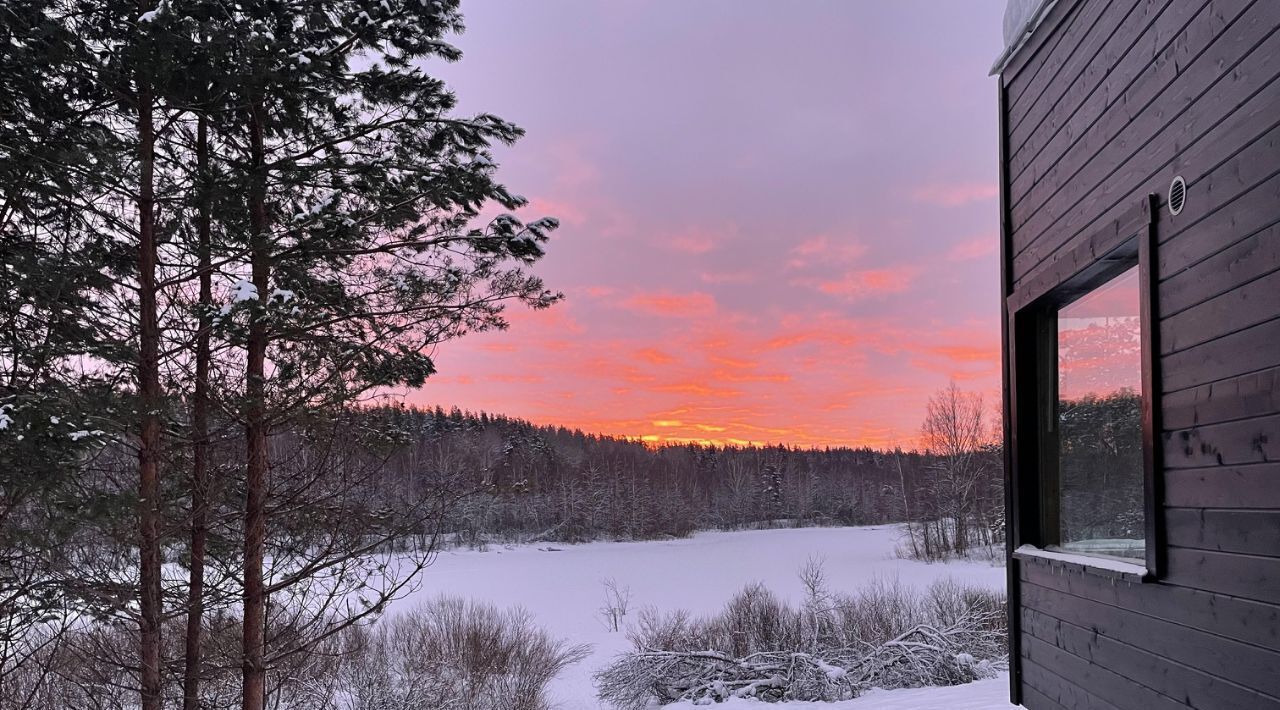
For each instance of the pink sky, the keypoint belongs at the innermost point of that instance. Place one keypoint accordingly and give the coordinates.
(780, 220)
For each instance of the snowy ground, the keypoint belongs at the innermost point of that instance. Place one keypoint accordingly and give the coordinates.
(982, 695)
(563, 591)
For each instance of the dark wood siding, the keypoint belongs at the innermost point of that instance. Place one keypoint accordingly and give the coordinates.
(1107, 102)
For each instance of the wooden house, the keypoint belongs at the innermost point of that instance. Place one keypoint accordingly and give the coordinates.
(1140, 257)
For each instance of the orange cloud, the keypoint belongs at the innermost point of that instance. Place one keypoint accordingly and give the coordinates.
(599, 291)
(728, 376)
(817, 335)
(973, 248)
(955, 194)
(693, 243)
(726, 277)
(969, 353)
(516, 379)
(729, 361)
(800, 378)
(870, 282)
(698, 388)
(566, 212)
(654, 356)
(682, 305)
(823, 249)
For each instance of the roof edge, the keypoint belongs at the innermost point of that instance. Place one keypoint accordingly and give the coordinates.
(1029, 26)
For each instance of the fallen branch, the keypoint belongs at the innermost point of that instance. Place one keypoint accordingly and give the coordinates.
(923, 655)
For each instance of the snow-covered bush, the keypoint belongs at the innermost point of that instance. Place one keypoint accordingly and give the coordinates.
(445, 654)
(831, 647)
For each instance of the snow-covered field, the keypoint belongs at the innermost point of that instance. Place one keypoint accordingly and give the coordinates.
(562, 587)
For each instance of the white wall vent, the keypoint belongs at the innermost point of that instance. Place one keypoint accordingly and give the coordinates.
(1177, 195)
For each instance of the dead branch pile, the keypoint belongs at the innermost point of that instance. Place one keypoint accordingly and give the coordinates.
(834, 647)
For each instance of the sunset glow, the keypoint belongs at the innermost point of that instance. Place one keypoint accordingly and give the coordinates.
(780, 221)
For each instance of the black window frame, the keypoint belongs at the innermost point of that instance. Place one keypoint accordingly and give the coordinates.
(1034, 313)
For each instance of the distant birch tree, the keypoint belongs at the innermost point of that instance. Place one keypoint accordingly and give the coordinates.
(952, 515)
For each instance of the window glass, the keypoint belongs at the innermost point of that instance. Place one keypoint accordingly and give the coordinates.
(1100, 421)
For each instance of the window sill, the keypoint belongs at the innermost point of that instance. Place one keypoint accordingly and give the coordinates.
(1100, 566)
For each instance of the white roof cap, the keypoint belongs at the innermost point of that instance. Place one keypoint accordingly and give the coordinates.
(1021, 18)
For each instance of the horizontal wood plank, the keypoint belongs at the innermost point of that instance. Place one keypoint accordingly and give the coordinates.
(1254, 486)
(1239, 262)
(1143, 664)
(1247, 304)
(1244, 397)
(1040, 682)
(1127, 70)
(1020, 71)
(1150, 135)
(1254, 440)
(1035, 700)
(1101, 682)
(1095, 41)
(1253, 532)
(1209, 134)
(1241, 663)
(1244, 576)
(1244, 620)
(1243, 352)
(1207, 226)
(1091, 253)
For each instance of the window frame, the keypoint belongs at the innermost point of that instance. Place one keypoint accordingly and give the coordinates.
(1034, 320)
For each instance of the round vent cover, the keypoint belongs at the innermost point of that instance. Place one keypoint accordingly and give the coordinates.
(1177, 195)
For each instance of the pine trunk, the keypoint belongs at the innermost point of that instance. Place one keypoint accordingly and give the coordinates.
(200, 436)
(150, 403)
(255, 598)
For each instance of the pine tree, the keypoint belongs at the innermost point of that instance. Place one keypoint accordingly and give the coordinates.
(360, 189)
(57, 162)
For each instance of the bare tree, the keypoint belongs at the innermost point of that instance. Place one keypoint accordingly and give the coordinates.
(955, 434)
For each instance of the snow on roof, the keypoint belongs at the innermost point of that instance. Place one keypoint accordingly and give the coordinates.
(1021, 18)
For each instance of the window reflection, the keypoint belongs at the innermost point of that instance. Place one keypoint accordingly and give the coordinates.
(1100, 421)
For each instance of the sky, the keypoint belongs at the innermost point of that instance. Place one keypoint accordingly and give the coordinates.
(779, 219)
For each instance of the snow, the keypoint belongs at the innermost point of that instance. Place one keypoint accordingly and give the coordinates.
(991, 694)
(5, 419)
(1021, 18)
(563, 589)
(243, 291)
(832, 672)
(284, 295)
(151, 15)
(1107, 563)
(443, 47)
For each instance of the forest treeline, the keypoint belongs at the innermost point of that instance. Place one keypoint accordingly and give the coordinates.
(543, 483)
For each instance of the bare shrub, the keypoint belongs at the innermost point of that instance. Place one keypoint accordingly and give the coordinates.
(446, 654)
(831, 647)
(617, 602)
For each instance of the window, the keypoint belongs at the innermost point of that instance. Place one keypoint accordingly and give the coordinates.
(1101, 507)
(1084, 386)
